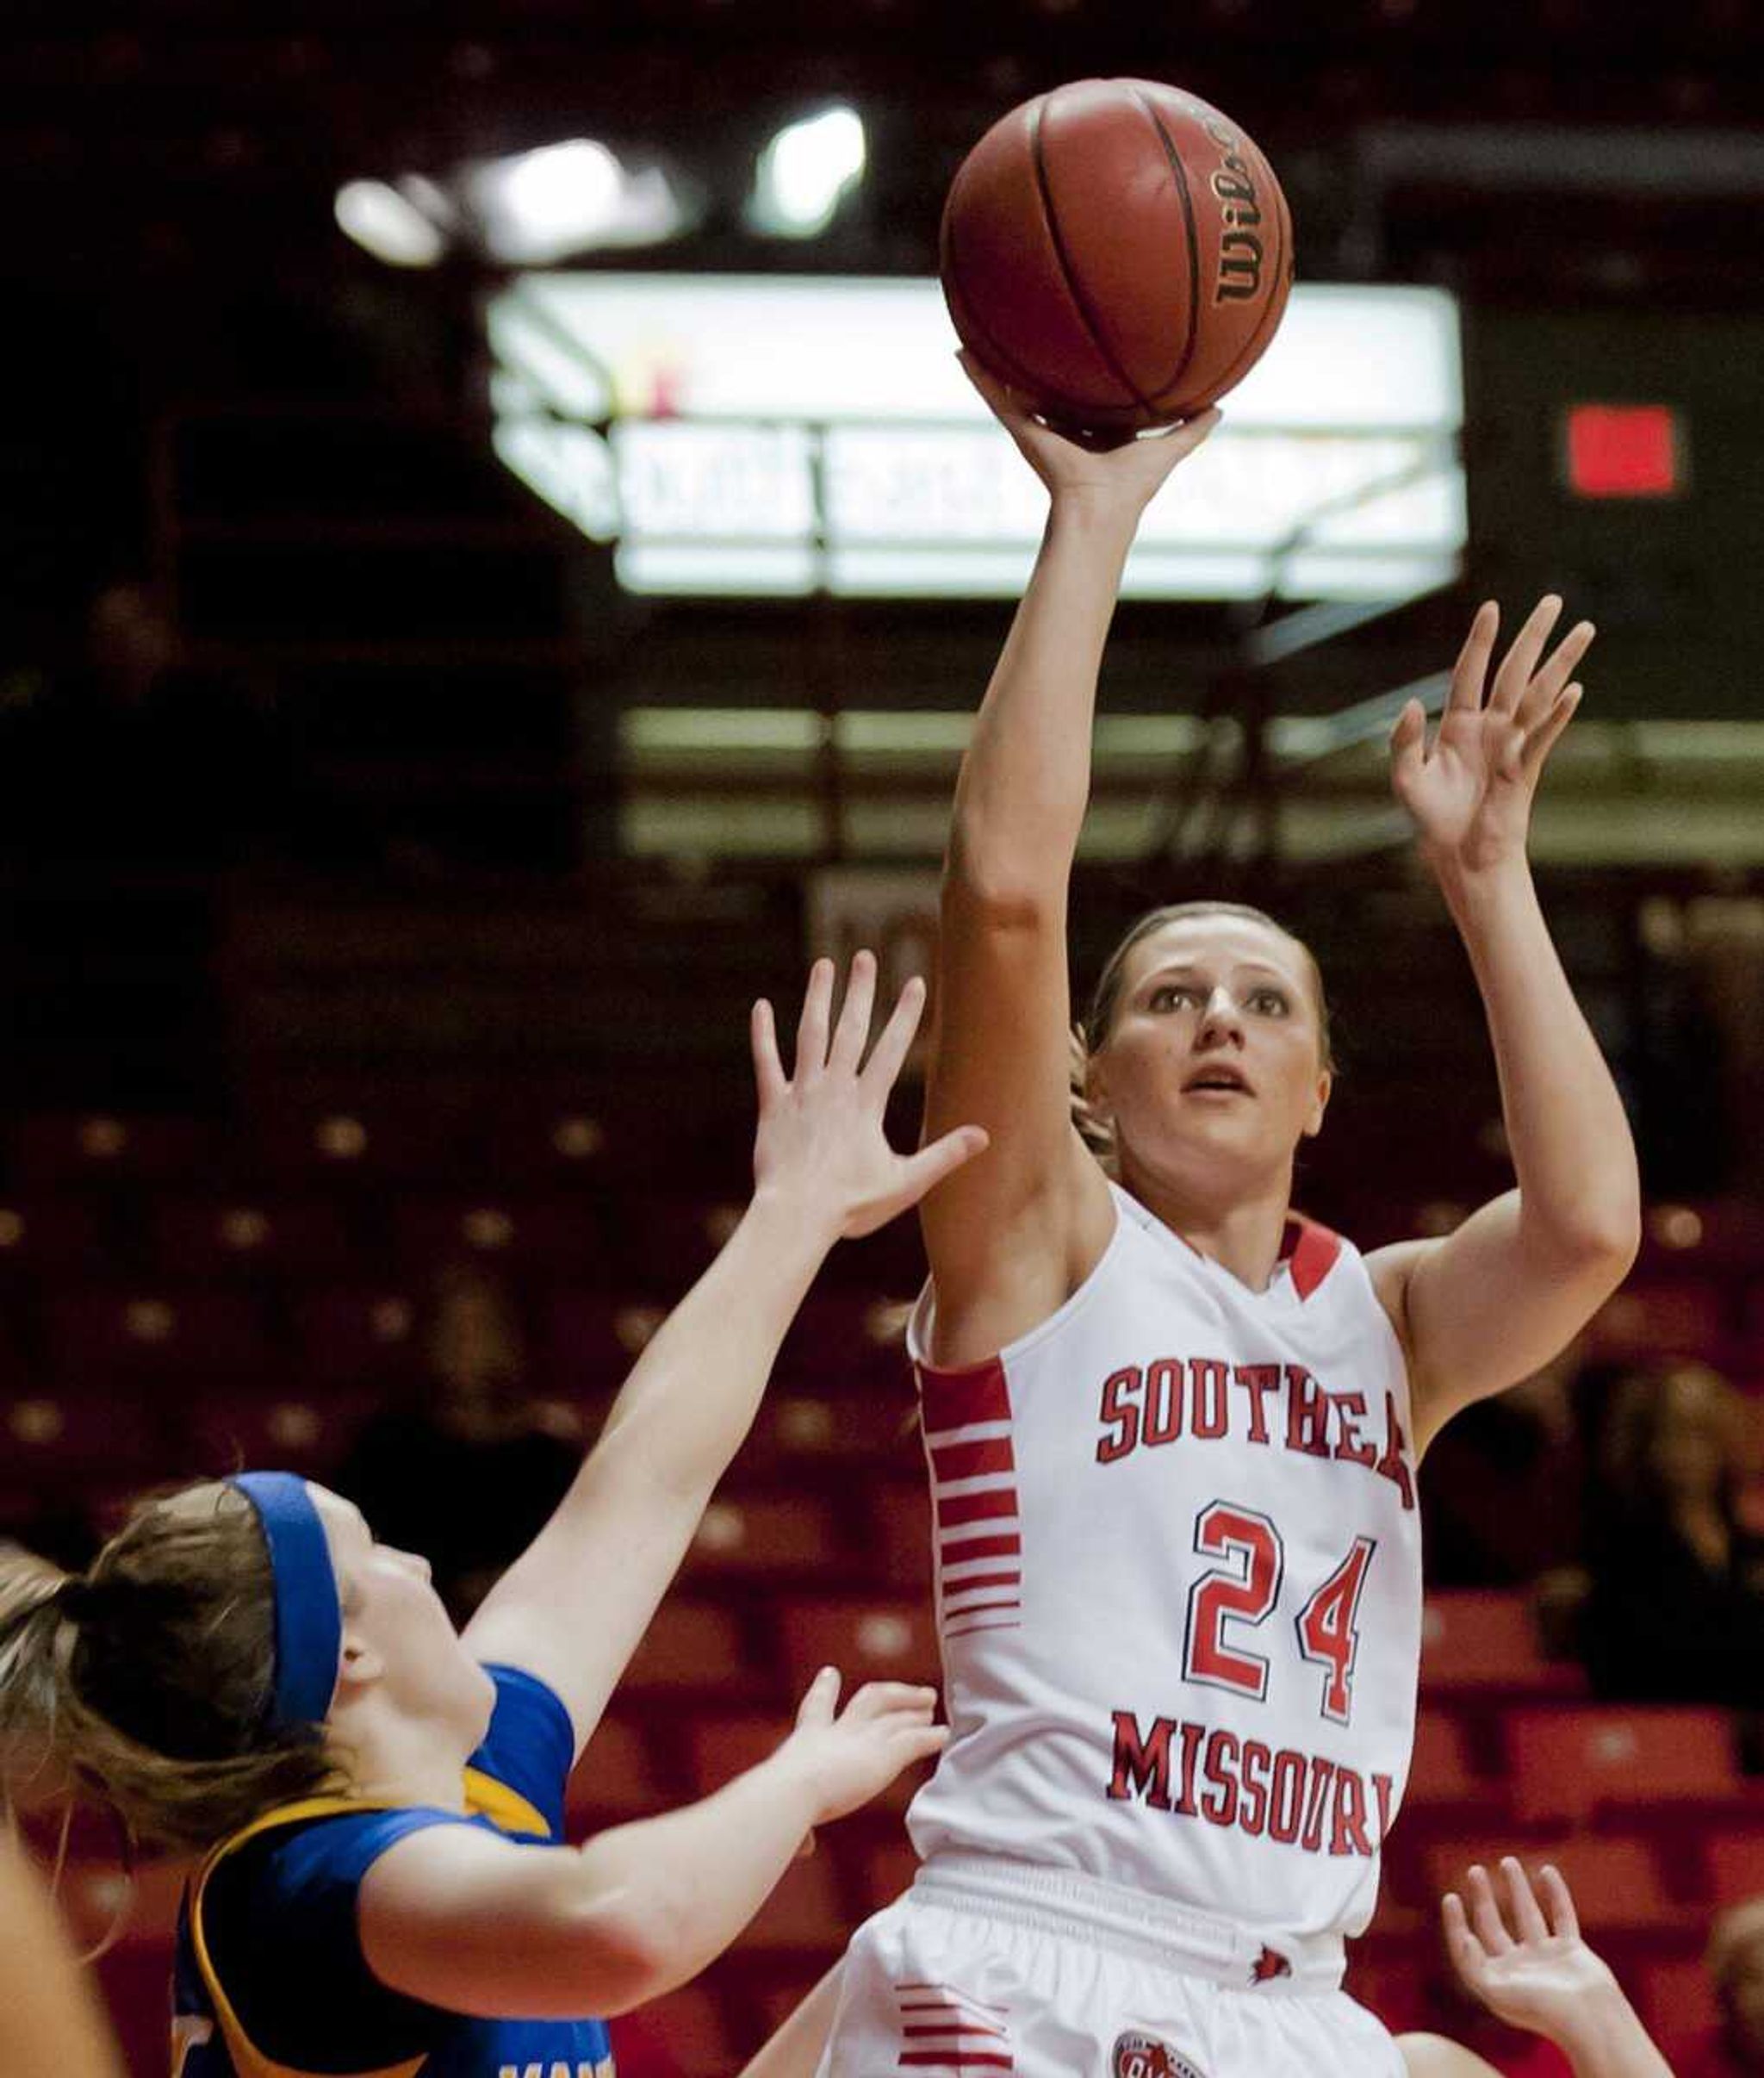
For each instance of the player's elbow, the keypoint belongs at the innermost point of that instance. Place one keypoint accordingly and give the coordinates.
(625, 1953)
(1003, 886)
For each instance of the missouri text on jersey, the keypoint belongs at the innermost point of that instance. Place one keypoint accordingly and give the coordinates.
(1298, 1799)
(1209, 1399)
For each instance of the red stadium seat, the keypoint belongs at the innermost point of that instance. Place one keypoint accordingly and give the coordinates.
(53, 1237)
(1618, 1885)
(95, 1148)
(1442, 1774)
(683, 2035)
(719, 1748)
(559, 1236)
(878, 1638)
(798, 1433)
(1675, 1999)
(1567, 1763)
(107, 1336)
(355, 1336)
(900, 1542)
(590, 1340)
(288, 1431)
(1735, 1863)
(695, 1646)
(1477, 1639)
(246, 1237)
(615, 1779)
(1394, 1989)
(790, 1537)
(805, 1913)
(884, 1871)
(1644, 1320)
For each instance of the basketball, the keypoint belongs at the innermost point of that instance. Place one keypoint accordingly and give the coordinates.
(1118, 251)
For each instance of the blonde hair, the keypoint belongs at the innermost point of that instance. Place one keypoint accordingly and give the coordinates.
(1091, 1033)
(147, 1681)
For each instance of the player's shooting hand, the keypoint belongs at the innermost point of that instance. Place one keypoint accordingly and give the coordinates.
(1470, 791)
(1536, 1972)
(1124, 473)
(820, 1140)
(851, 1756)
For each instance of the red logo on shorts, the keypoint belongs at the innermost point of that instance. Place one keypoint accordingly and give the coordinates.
(1138, 2056)
(1268, 1965)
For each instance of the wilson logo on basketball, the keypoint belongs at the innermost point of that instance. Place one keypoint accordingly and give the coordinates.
(1138, 2056)
(1241, 245)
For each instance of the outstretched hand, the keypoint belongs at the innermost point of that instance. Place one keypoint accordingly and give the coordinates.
(1469, 793)
(1540, 1975)
(851, 1755)
(820, 1136)
(1128, 474)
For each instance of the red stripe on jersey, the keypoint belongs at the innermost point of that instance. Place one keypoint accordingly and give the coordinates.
(955, 1399)
(1310, 1252)
(954, 2025)
(955, 1549)
(957, 2059)
(954, 1508)
(969, 1460)
(954, 1589)
(1004, 1616)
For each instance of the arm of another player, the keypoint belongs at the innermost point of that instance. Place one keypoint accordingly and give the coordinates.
(1539, 1975)
(49, 2019)
(572, 1608)
(1008, 1238)
(1550, 1253)
(476, 1924)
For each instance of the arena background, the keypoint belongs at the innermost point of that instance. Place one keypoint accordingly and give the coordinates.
(387, 880)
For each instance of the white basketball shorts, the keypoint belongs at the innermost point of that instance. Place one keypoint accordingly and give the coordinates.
(989, 1967)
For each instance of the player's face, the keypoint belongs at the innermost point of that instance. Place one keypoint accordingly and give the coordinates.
(395, 1625)
(1216, 1054)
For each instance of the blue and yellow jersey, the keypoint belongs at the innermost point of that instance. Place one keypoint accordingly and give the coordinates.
(270, 1980)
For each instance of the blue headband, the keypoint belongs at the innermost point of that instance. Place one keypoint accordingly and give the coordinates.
(309, 1610)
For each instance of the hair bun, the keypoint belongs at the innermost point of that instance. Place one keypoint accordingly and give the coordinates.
(77, 1597)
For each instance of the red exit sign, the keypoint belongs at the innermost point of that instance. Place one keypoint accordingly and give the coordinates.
(1622, 450)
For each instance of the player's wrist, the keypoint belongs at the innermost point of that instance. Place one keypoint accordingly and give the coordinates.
(1601, 2035)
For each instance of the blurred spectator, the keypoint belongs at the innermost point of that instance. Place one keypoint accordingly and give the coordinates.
(1735, 2049)
(465, 1470)
(1675, 1608)
(1501, 1485)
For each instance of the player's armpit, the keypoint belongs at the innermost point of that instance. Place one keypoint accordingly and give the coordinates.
(1433, 2057)
(461, 1919)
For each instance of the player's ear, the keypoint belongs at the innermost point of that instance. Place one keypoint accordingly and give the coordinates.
(1320, 1105)
(361, 1666)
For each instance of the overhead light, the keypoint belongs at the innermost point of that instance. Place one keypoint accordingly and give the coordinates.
(540, 206)
(388, 224)
(807, 171)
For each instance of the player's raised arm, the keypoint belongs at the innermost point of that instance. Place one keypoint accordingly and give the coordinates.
(1552, 1251)
(572, 1608)
(1011, 1237)
(479, 1925)
(1536, 1972)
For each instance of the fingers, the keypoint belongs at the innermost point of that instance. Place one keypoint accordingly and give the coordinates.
(811, 1026)
(1485, 1914)
(1542, 739)
(999, 396)
(1521, 660)
(896, 1040)
(1470, 673)
(1564, 660)
(1564, 1921)
(768, 1068)
(820, 1700)
(1408, 741)
(1464, 1948)
(1182, 440)
(851, 1034)
(1528, 1921)
(921, 1173)
(879, 1698)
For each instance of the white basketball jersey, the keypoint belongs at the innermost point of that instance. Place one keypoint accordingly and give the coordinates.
(1178, 1583)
